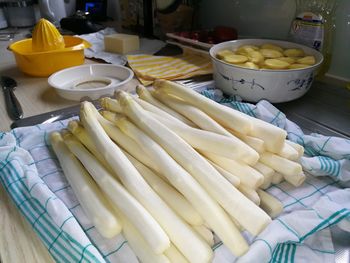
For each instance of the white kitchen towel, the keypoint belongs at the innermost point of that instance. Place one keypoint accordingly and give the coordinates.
(33, 178)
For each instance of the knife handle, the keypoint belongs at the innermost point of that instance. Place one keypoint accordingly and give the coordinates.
(13, 107)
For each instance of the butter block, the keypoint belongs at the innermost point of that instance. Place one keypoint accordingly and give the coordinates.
(121, 43)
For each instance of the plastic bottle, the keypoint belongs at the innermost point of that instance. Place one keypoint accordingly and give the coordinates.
(313, 26)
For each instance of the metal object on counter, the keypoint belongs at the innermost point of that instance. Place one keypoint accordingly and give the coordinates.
(6, 36)
(13, 107)
(50, 117)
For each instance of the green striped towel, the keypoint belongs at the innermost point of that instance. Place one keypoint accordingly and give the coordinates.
(33, 178)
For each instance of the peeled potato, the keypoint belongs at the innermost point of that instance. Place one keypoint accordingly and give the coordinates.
(268, 56)
(308, 60)
(272, 46)
(294, 52)
(255, 57)
(235, 59)
(276, 63)
(298, 66)
(270, 53)
(246, 49)
(250, 65)
(290, 60)
(223, 53)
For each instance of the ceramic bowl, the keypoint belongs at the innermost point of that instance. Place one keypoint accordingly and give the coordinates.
(90, 82)
(257, 84)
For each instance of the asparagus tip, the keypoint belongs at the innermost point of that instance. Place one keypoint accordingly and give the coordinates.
(140, 88)
(73, 126)
(158, 83)
(55, 136)
(66, 134)
(123, 97)
(103, 102)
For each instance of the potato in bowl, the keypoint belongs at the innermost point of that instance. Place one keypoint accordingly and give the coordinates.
(256, 69)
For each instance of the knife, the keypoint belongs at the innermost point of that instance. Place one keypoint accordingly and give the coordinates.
(14, 109)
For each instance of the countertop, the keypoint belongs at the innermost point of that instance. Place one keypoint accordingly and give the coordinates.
(324, 109)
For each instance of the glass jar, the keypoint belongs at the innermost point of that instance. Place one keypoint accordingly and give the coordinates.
(313, 26)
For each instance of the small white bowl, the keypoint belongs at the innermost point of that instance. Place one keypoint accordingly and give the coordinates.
(89, 82)
(257, 84)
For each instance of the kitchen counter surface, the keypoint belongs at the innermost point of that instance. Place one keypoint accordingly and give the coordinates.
(324, 109)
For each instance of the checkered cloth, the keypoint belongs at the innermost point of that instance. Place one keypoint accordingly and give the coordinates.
(33, 178)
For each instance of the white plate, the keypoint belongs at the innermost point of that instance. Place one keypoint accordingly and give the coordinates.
(89, 82)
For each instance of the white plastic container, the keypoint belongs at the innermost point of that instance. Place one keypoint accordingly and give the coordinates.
(89, 82)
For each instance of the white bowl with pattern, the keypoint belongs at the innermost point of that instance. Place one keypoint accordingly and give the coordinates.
(256, 84)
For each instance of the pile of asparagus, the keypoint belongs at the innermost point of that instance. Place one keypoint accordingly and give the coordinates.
(170, 167)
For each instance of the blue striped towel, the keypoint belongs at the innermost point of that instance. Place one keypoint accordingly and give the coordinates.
(33, 178)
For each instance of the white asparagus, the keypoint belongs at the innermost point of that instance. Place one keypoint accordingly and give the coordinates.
(168, 193)
(80, 133)
(272, 136)
(267, 172)
(115, 134)
(296, 180)
(299, 148)
(232, 200)
(265, 185)
(223, 115)
(246, 174)
(280, 164)
(122, 140)
(128, 144)
(119, 196)
(250, 193)
(288, 152)
(127, 173)
(151, 108)
(277, 178)
(270, 204)
(174, 255)
(197, 116)
(234, 180)
(205, 233)
(138, 244)
(238, 225)
(110, 104)
(145, 95)
(190, 245)
(210, 211)
(85, 189)
(221, 145)
(174, 199)
(256, 143)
